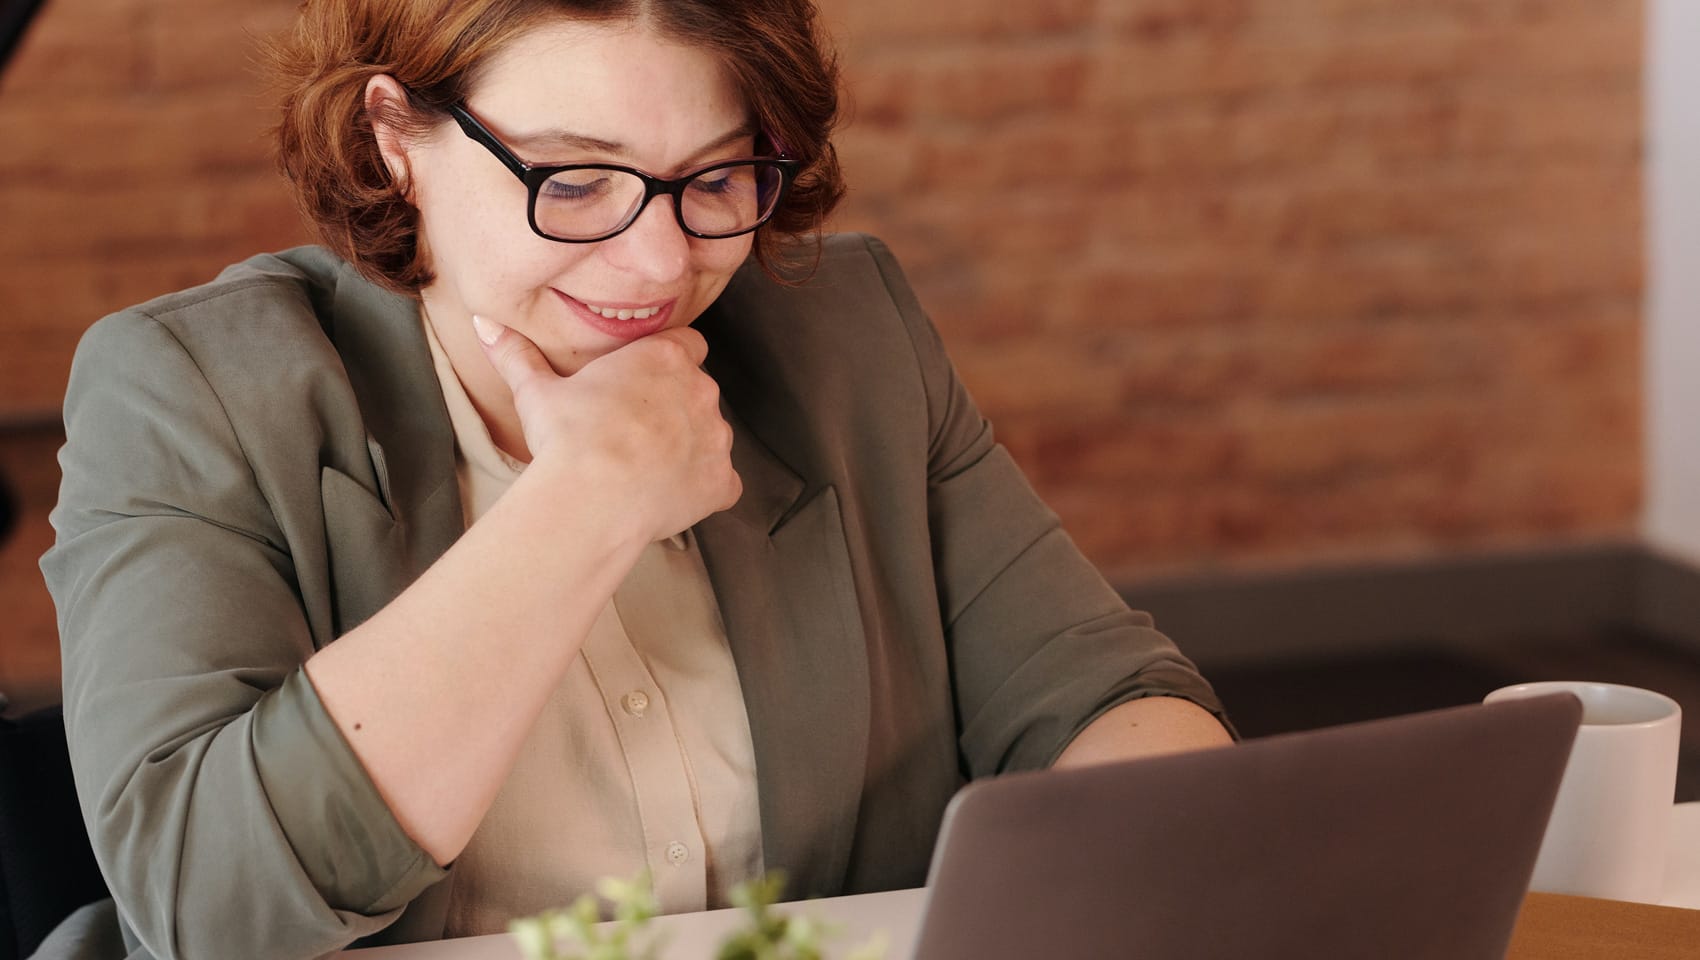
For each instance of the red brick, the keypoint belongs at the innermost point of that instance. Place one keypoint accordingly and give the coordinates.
(61, 58)
(1594, 39)
(1364, 362)
(1327, 443)
(1163, 289)
(1138, 73)
(208, 54)
(987, 83)
(1158, 450)
(1041, 377)
(1160, 20)
(875, 163)
(861, 24)
(114, 142)
(1184, 371)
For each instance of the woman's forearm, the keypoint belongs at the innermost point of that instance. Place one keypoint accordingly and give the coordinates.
(437, 691)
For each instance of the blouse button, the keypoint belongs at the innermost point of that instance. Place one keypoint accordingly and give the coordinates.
(678, 853)
(635, 703)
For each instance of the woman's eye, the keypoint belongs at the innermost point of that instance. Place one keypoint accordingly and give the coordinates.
(725, 181)
(578, 185)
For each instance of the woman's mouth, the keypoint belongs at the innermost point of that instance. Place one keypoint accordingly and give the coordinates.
(621, 321)
(610, 313)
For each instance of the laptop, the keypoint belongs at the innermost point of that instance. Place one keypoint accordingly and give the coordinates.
(1411, 837)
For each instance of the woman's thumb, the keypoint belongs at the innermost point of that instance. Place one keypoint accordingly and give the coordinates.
(515, 358)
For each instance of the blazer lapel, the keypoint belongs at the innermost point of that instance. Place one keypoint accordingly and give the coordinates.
(781, 572)
(383, 349)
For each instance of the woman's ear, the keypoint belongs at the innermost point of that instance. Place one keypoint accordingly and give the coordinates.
(384, 100)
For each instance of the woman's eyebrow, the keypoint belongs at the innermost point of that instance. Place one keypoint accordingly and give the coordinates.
(542, 142)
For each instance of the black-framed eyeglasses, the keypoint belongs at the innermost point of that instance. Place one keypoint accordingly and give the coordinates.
(587, 202)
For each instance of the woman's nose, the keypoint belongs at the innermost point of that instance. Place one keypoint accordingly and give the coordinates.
(654, 246)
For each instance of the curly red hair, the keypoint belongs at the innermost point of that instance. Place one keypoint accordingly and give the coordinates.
(773, 49)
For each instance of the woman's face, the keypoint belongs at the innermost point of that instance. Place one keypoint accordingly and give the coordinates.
(576, 92)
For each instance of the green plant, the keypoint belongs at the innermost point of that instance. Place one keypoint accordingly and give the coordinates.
(573, 934)
(577, 932)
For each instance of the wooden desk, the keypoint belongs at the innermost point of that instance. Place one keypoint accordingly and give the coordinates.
(1556, 927)
(1550, 927)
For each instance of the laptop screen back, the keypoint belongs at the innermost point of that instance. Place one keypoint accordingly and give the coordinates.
(1408, 837)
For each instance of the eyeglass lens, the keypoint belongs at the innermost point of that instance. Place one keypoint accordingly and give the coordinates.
(591, 202)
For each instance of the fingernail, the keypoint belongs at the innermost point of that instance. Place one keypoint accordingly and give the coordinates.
(488, 330)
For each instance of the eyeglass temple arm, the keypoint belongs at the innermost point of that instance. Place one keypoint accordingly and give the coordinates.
(471, 127)
(778, 144)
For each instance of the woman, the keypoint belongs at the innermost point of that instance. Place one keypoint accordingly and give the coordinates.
(633, 555)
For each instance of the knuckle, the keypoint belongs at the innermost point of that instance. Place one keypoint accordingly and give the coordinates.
(692, 347)
(705, 391)
(674, 351)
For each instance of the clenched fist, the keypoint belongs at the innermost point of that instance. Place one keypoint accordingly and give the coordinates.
(644, 420)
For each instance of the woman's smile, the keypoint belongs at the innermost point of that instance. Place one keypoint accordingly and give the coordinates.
(621, 320)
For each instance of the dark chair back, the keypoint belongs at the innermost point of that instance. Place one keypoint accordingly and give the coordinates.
(47, 868)
(8, 510)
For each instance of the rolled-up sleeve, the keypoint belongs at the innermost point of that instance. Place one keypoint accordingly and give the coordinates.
(1040, 644)
(229, 816)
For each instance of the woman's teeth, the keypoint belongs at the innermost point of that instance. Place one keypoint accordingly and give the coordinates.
(612, 314)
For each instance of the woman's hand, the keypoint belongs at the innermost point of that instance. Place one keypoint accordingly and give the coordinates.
(643, 421)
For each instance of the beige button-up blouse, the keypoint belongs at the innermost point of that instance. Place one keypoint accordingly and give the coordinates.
(642, 757)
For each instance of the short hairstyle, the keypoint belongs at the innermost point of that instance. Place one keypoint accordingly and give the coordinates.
(326, 146)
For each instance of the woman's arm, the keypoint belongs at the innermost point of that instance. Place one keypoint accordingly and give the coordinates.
(437, 692)
(1144, 728)
(236, 808)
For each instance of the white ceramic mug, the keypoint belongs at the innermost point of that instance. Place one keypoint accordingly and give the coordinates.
(1610, 826)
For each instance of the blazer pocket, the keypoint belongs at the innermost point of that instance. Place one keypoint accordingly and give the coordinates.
(365, 548)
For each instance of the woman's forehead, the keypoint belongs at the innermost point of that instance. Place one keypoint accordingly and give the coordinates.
(617, 81)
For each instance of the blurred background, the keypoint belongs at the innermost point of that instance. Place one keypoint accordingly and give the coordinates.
(1353, 338)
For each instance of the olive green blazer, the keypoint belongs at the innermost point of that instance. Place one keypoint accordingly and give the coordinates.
(254, 466)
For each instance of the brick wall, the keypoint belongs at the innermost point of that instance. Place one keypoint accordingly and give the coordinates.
(1253, 283)
(1241, 283)
(131, 164)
